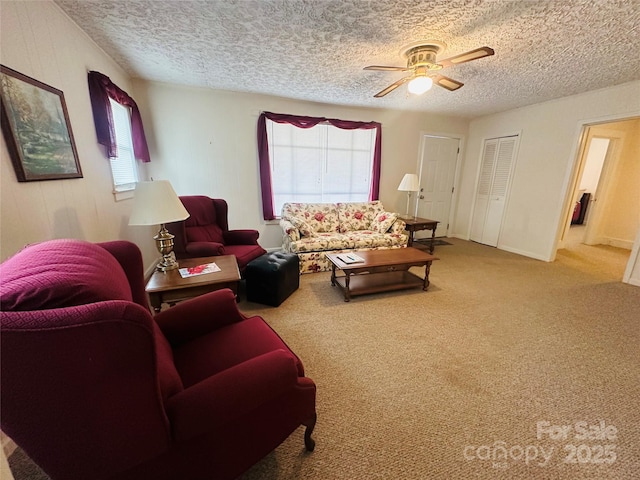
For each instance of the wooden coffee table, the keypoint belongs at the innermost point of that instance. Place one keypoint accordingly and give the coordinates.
(169, 287)
(381, 271)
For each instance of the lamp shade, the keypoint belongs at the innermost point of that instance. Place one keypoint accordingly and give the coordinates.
(156, 203)
(419, 85)
(409, 183)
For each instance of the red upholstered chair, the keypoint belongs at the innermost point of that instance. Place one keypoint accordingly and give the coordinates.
(206, 232)
(94, 387)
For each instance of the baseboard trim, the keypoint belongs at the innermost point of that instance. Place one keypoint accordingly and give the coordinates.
(634, 281)
(523, 253)
(457, 235)
(618, 242)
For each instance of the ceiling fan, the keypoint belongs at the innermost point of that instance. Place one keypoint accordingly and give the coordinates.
(421, 62)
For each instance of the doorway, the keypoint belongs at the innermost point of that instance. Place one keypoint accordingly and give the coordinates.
(605, 208)
(437, 169)
(585, 219)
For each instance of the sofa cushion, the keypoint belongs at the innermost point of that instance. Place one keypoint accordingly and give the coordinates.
(320, 217)
(202, 224)
(383, 221)
(227, 347)
(370, 239)
(321, 242)
(62, 273)
(356, 216)
(327, 242)
(204, 233)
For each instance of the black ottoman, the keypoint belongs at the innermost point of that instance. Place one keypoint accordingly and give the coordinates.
(272, 277)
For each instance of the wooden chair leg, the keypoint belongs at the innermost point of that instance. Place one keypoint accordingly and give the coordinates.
(309, 442)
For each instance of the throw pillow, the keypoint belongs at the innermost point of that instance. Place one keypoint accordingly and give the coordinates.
(306, 230)
(382, 222)
(355, 216)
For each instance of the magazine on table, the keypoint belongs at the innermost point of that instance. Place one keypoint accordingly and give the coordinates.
(199, 270)
(350, 258)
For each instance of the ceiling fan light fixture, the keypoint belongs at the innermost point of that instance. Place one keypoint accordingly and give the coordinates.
(420, 85)
(422, 63)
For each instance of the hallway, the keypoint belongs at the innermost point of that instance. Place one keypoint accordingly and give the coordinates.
(609, 262)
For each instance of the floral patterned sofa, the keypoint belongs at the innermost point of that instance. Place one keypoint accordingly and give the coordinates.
(311, 230)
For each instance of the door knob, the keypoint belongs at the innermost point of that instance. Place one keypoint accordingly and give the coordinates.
(421, 197)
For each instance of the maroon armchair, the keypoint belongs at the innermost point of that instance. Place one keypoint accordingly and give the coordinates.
(206, 232)
(94, 387)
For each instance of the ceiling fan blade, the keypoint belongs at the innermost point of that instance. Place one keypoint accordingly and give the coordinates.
(446, 82)
(467, 57)
(386, 69)
(393, 86)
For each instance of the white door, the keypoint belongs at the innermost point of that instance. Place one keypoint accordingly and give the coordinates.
(495, 174)
(484, 189)
(438, 169)
(594, 233)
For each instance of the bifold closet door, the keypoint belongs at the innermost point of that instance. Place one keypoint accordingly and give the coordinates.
(493, 185)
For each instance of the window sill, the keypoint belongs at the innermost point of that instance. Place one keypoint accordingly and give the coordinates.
(123, 195)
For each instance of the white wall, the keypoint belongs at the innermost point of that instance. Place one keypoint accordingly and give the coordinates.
(38, 40)
(205, 142)
(546, 158)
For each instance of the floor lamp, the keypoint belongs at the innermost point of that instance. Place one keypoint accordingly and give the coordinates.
(409, 184)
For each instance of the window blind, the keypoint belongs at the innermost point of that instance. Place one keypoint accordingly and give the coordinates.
(322, 164)
(123, 167)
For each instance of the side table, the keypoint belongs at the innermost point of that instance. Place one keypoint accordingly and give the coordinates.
(416, 223)
(169, 287)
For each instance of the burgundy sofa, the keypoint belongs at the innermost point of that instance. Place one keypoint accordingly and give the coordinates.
(206, 232)
(94, 387)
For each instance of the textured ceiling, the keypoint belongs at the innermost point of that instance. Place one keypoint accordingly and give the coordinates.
(316, 49)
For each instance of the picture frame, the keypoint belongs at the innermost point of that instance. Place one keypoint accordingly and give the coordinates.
(36, 128)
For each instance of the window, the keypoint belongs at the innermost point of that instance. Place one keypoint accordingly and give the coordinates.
(323, 164)
(119, 128)
(123, 166)
(309, 159)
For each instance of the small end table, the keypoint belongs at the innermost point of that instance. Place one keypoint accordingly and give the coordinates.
(416, 223)
(169, 287)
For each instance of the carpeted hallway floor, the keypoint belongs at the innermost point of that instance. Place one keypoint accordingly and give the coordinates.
(472, 379)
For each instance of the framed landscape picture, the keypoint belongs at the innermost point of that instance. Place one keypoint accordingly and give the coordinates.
(36, 127)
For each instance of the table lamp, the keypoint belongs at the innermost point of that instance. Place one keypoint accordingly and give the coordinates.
(409, 184)
(157, 203)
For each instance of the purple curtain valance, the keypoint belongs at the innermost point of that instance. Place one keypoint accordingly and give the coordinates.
(308, 122)
(101, 88)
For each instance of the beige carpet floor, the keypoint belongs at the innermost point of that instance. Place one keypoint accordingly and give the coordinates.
(473, 379)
